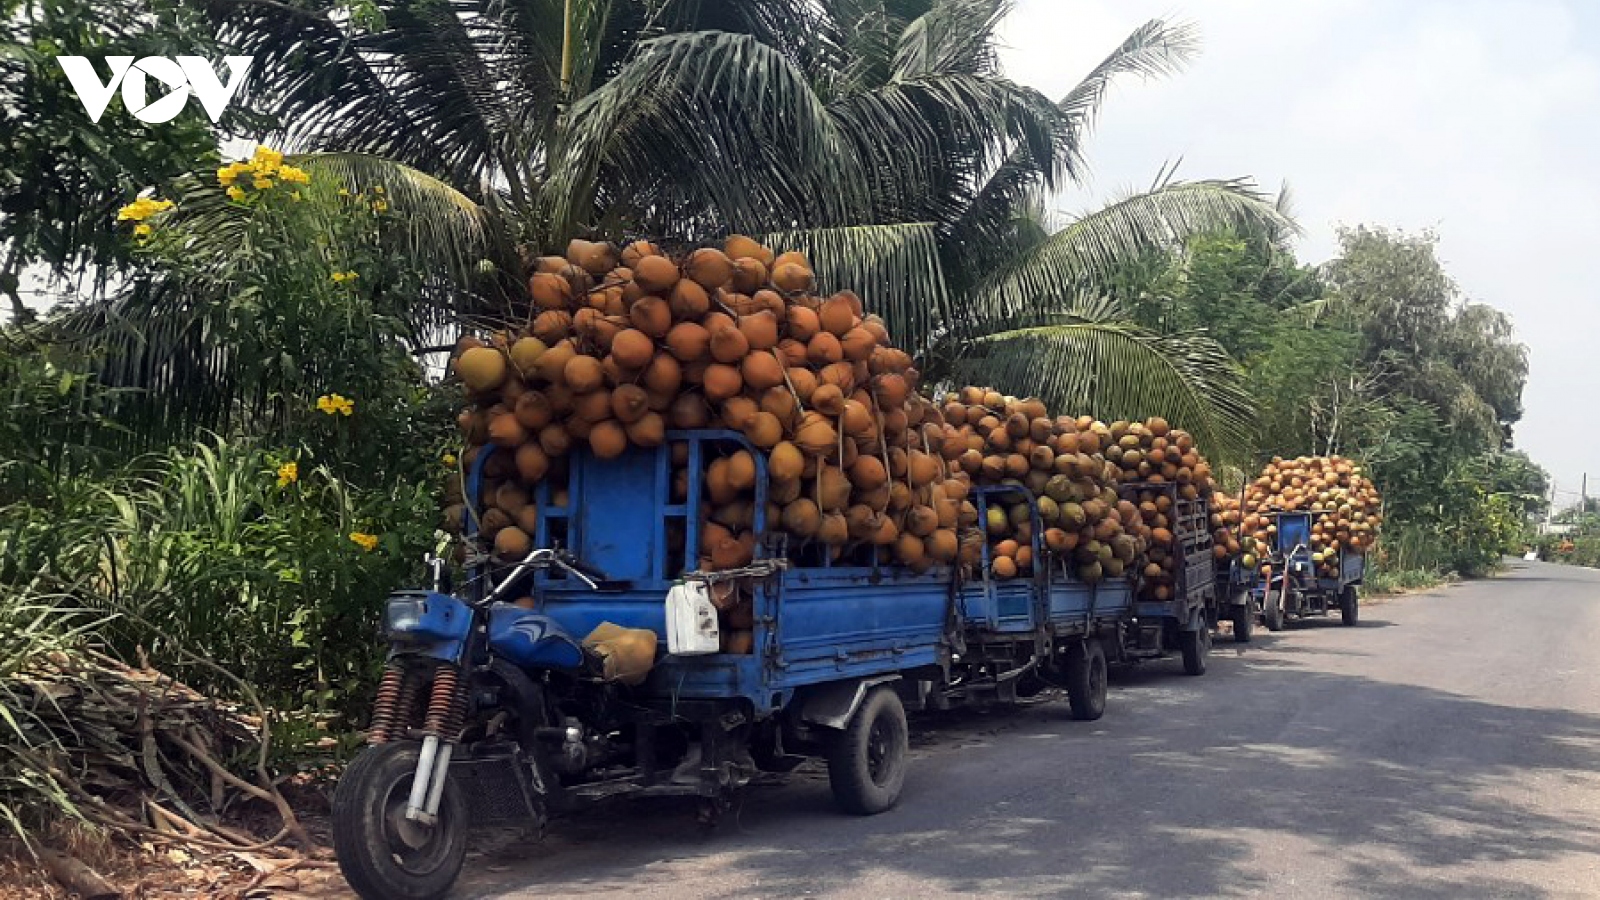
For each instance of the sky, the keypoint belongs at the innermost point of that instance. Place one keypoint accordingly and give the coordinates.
(1477, 119)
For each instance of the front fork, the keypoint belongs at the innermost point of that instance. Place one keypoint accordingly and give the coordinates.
(425, 699)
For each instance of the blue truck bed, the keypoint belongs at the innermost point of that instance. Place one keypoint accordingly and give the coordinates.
(1050, 598)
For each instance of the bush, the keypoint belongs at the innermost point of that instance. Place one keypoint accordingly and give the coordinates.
(263, 559)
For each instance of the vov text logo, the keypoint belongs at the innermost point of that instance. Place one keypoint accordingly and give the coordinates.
(181, 76)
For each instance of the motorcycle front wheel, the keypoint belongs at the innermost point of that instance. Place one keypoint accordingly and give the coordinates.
(384, 855)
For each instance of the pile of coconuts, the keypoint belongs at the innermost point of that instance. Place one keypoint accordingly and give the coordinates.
(1227, 517)
(621, 345)
(992, 439)
(1155, 464)
(1346, 508)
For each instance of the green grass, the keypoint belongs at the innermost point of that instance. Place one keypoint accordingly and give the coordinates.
(1395, 580)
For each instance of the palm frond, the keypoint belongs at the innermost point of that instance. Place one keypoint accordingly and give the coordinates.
(1285, 202)
(1155, 49)
(457, 88)
(955, 36)
(928, 140)
(1089, 250)
(445, 230)
(1114, 370)
(894, 268)
(708, 118)
(854, 42)
(993, 212)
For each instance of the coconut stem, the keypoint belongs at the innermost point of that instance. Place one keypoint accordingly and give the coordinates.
(883, 446)
(944, 469)
(799, 406)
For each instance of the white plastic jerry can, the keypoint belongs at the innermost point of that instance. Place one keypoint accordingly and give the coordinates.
(691, 621)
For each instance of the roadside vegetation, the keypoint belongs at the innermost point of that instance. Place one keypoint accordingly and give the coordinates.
(225, 427)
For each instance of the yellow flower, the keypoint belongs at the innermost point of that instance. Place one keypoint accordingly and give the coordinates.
(449, 459)
(236, 194)
(380, 206)
(344, 192)
(143, 208)
(141, 230)
(367, 542)
(229, 173)
(261, 184)
(342, 277)
(287, 473)
(295, 196)
(266, 160)
(334, 404)
(294, 174)
(377, 189)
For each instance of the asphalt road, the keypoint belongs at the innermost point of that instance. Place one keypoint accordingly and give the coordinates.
(1449, 747)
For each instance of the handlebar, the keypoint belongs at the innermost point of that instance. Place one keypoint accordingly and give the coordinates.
(544, 558)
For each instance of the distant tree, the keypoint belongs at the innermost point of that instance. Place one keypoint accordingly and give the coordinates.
(1516, 476)
(1460, 359)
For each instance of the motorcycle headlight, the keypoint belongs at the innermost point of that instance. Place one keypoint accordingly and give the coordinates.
(403, 616)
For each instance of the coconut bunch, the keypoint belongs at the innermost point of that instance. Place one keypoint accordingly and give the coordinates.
(620, 346)
(1227, 517)
(1347, 509)
(996, 440)
(1162, 556)
(1153, 452)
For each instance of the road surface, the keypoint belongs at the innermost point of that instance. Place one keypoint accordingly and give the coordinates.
(1449, 747)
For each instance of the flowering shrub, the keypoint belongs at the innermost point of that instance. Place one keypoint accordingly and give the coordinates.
(275, 551)
(312, 298)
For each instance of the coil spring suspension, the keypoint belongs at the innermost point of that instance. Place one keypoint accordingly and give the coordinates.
(447, 704)
(387, 706)
(410, 692)
(395, 712)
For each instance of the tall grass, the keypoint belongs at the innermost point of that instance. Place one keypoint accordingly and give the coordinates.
(1407, 557)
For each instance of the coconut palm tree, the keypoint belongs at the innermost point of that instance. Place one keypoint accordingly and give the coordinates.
(879, 135)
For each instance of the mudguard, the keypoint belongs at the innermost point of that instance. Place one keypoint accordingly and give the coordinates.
(833, 704)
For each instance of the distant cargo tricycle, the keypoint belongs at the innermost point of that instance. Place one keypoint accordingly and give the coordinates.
(1305, 583)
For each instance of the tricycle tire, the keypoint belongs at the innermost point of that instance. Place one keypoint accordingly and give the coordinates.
(1272, 612)
(1086, 680)
(1193, 644)
(1349, 607)
(1244, 622)
(371, 836)
(867, 760)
